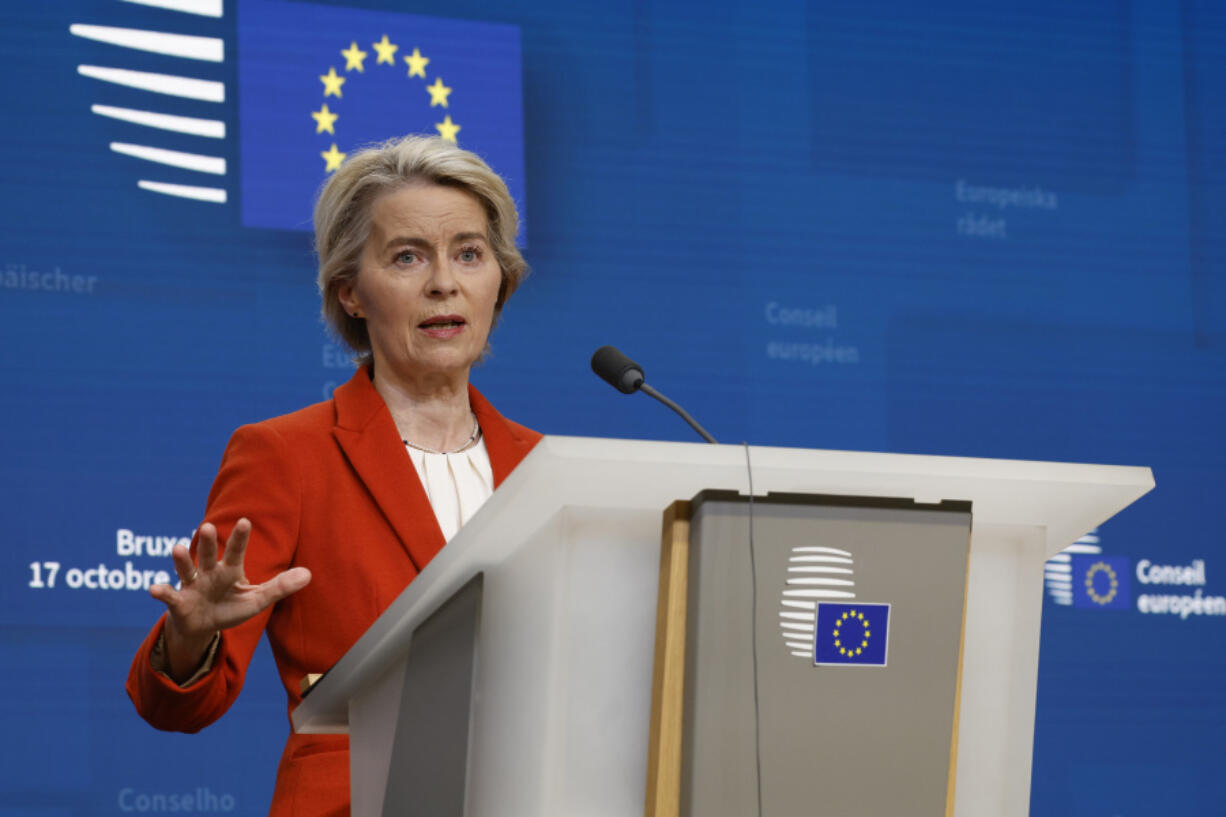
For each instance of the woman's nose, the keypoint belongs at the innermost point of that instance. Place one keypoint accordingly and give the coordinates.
(442, 279)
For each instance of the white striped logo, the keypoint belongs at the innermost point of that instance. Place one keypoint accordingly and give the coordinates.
(814, 574)
(190, 48)
(1058, 571)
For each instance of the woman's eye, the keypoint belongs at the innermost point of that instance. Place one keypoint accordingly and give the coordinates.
(406, 257)
(470, 255)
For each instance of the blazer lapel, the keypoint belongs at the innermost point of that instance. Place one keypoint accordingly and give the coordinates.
(506, 442)
(367, 434)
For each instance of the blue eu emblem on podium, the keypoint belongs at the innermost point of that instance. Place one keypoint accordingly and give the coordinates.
(852, 634)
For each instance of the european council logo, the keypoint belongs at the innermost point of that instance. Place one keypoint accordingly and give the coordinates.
(314, 83)
(852, 634)
(814, 573)
(1101, 582)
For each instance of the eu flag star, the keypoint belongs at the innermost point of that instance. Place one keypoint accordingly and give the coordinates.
(417, 64)
(438, 92)
(354, 57)
(333, 158)
(332, 83)
(324, 120)
(447, 129)
(387, 51)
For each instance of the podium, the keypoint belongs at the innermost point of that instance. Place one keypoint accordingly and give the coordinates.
(514, 676)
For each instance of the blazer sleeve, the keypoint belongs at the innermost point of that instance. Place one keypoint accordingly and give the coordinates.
(259, 479)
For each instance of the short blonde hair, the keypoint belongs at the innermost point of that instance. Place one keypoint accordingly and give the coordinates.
(343, 217)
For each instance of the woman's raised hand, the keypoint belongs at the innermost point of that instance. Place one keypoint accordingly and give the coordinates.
(215, 595)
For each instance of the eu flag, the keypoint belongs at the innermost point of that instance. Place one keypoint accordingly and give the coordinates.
(1101, 582)
(317, 83)
(856, 634)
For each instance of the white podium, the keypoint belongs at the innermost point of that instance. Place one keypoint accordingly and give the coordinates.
(569, 549)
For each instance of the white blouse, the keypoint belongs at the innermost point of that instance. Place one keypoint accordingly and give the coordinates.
(456, 484)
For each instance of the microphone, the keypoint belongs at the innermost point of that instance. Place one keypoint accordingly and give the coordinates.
(617, 370)
(627, 377)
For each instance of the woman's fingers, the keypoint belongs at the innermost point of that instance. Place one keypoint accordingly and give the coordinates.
(221, 596)
(184, 566)
(206, 546)
(163, 593)
(291, 581)
(243, 602)
(280, 586)
(236, 545)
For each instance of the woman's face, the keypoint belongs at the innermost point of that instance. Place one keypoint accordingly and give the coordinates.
(428, 282)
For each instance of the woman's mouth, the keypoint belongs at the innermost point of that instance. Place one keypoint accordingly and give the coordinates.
(442, 326)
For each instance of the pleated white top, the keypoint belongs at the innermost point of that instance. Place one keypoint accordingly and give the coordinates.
(456, 484)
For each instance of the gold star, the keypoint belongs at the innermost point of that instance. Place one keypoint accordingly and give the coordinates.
(447, 129)
(353, 57)
(332, 83)
(324, 120)
(417, 64)
(438, 92)
(333, 158)
(387, 51)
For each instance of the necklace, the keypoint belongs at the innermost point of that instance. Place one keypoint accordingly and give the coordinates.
(469, 443)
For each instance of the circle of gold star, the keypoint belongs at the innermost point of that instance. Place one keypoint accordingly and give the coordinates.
(847, 649)
(355, 60)
(1108, 596)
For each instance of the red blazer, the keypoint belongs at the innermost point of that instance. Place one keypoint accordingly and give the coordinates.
(332, 488)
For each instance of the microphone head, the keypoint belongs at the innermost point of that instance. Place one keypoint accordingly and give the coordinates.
(617, 370)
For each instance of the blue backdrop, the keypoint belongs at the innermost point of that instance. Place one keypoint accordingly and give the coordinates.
(974, 228)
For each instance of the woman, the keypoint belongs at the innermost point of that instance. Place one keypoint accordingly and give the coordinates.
(327, 513)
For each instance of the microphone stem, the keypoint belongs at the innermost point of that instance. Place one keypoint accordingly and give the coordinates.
(684, 414)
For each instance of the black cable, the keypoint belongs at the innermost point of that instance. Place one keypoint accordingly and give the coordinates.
(753, 636)
(685, 415)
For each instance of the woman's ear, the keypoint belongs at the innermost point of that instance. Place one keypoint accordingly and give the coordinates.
(349, 300)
